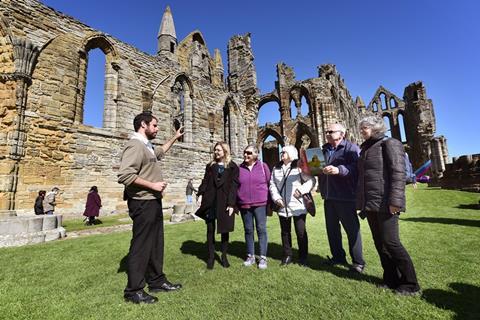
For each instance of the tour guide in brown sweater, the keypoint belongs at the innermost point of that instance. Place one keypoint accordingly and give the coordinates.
(141, 174)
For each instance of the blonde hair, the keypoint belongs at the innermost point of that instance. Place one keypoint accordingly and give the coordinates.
(226, 151)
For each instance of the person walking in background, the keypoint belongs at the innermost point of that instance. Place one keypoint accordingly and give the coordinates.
(140, 171)
(381, 198)
(38, 207)
(93, 205)
(49, 201)
(338, 183)
(217, 196)
(252, 197)
(287, 185)
(189, 191)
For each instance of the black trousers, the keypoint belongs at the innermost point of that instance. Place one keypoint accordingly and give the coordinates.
(302, 237)
(211, 241)
(343, 212)
(145, 257)
(398, 269)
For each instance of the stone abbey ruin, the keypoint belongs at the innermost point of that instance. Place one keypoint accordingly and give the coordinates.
(44, 141)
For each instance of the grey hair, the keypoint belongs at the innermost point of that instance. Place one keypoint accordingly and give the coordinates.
(342, 127)
(253, 147)
(376, 123)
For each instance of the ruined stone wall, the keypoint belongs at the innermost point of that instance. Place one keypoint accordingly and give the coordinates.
(328, 101)
(59, 150)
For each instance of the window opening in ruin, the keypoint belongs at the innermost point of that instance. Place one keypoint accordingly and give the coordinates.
(304, 109)
(93, 106)
(293, 109)
(401, 126)
(172, 47)
(375, 107)
(270, 151)
(227, 137)
(386, 120)
(393, 103)
(268, 113)
(383, 101)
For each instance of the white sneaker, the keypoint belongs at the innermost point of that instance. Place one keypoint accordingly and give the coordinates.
(250, 261)
(262, 264)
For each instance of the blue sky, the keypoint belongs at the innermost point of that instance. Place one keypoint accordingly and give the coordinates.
(372, 43)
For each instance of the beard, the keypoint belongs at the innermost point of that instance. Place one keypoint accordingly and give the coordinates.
(150, 134)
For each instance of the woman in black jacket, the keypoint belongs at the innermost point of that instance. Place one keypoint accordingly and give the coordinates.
(381, 198)
(217, 195)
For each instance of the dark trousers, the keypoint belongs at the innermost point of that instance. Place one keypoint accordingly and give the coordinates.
(398, 270)
(211, 241)
(145, 258)
(343, 212)
(302, 237)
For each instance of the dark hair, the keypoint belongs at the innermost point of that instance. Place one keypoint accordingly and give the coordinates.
(94, 188)
(42, 192)
(145, 116)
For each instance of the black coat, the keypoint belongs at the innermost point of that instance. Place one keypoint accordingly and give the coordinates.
(381, 175)
(38, 207)
(219, 194)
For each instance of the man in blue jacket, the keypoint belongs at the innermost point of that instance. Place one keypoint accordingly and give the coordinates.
(338, 183)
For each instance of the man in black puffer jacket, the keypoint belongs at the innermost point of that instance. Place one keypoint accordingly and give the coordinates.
(381, 198)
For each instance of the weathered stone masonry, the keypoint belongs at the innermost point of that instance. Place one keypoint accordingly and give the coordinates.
(44, 143)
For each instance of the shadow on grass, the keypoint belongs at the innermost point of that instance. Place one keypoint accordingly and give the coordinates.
(471, 206)
(460, 222)
(464, 301)
(275, 252)
(122, 266)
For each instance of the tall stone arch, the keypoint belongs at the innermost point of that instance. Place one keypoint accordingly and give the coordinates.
(183, 101)
(112, 83)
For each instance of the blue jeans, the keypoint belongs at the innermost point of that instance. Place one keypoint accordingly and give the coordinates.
(189, 198)
(260, 216)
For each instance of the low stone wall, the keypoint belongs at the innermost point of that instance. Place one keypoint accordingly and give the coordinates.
(23, 230)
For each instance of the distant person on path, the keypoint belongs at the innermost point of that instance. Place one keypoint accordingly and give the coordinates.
(287, 185)
(381, 198)
(217, 196)
(189, 191)
(38, 207)
(93, 205)
(140, 171)
(338, 183)
(49, 201)
(252, 197)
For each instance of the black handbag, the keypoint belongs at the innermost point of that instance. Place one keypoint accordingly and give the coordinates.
(308, 201)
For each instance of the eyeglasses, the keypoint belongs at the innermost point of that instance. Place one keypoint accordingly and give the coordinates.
(332, 131)
(248, 153)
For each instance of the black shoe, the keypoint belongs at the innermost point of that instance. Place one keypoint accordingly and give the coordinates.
(225, 262)
(166, 286)
(408, 293)
(334, 262)
(358, 268)
(285, 261)
(140, 297)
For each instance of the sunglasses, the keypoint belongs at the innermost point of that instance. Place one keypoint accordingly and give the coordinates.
(332, 131)
(248, 153)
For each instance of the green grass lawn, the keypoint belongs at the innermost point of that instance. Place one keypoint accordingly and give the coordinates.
(78, 223)
(84, 278)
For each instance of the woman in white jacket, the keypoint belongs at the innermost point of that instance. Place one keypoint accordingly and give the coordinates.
(287, 185)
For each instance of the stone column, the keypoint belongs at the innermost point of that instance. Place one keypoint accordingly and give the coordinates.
(25, 55)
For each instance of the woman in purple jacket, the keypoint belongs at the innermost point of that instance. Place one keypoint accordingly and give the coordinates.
(92, 208)
(252, 196)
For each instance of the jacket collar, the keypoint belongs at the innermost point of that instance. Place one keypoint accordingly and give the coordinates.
(327, 145)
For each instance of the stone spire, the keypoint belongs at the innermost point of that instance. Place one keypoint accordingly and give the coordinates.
(167, 37)
(359, 102)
